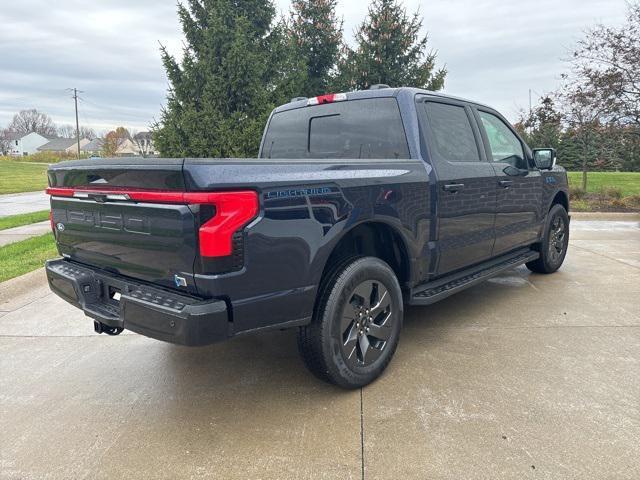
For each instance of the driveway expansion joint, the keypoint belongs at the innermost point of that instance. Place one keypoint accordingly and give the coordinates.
(362, 432)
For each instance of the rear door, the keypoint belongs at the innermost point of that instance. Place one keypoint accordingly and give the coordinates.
(466, 184)
(519, 187)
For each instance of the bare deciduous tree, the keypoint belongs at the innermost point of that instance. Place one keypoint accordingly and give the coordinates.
(114, 140)
(69, 131)
(32, 120)
(585, 120)
(144, 143)
(607, 62)
(5, 141)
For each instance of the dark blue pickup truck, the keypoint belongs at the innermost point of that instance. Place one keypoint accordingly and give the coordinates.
(359, 204)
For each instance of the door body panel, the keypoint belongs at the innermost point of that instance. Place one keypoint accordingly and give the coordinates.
(465, 186)
(518, 209)
(465, 218)
(519, 186)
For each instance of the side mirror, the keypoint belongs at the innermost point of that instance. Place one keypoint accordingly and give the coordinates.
(544, 158)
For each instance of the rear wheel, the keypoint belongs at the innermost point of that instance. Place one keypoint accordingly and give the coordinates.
(356, 324)
(553, 248)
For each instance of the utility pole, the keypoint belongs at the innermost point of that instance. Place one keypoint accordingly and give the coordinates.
(530, 112)
(75, 99)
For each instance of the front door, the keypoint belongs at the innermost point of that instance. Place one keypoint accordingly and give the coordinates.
(466, 185)
(519, 198)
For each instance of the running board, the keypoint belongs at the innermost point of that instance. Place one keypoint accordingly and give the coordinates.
(436, 290)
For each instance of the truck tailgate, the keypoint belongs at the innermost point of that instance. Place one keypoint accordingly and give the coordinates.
(155, 242)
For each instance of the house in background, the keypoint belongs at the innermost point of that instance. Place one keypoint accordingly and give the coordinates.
(20, 144)
(126, 148)
(63, 145)
(93, 148)
(144, 142)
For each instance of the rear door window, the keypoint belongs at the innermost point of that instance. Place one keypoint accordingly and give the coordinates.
(450, 133)
(370, 128)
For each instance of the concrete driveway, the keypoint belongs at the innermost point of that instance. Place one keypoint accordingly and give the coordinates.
(16, 203)
(525, 376)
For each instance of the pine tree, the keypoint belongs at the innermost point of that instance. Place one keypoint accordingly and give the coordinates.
(390, 49)
(316, 33)
(542, 127)
(222, 91)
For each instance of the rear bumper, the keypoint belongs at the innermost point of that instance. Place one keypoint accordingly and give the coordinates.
(150, 311)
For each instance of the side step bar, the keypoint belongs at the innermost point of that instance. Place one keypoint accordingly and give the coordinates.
(436, 290)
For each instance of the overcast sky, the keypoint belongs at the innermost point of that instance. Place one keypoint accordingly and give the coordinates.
(495, 51)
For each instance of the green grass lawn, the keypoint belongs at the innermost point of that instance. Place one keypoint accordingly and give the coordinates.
(23, 219)
(16, 177)
(627, 182)
(22, 257)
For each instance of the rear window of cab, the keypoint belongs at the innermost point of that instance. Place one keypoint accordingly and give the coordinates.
(368, 128)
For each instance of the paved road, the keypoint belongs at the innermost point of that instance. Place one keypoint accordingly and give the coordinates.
(16, 203)
(525, 376)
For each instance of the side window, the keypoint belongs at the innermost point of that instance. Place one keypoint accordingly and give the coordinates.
(505, 146)
(450, 132)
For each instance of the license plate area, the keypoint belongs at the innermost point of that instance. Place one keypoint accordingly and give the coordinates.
(114, 294)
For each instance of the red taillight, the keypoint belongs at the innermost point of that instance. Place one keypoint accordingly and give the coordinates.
(233, 211)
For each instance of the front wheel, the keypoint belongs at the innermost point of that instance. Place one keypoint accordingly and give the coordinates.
(356, 324)
(555, 242)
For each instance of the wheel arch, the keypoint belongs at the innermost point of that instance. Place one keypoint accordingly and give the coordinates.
(560, 198)
(372, 238)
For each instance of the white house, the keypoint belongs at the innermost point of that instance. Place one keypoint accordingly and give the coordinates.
(25, 144)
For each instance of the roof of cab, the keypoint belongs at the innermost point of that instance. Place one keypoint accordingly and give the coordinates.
(380, 93)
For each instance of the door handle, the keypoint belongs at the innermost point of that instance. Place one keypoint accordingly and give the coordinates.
(453, 187)
(505, 183)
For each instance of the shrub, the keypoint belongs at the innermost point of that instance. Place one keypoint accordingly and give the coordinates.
(576, 193)
(611, 192)
(632, 202)
(617, 204)
(44, 157)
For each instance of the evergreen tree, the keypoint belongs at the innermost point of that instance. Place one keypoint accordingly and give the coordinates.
(316, 33)
(542, 128)
(390, 49)
(222, 91)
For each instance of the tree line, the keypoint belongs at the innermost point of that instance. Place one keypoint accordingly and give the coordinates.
(593, 119)
(239, 62)
(33, 120)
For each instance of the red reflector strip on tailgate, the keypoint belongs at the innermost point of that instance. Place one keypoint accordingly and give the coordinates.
(234, 210)
(60, 192)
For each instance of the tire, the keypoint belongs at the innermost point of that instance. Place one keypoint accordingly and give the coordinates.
(553, 248)
(351, 338)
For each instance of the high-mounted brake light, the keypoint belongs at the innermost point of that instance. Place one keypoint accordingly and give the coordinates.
(328, 98)
(233, 210)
